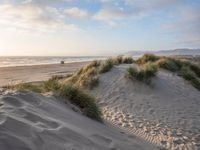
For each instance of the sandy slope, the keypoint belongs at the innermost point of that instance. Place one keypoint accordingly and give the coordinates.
(13, 75)
(29, 121)
(166, 113)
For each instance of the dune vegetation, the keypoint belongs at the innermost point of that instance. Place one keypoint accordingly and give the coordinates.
(82, 99)
(71, 87)
(24, 87)
(88, 76)
(145, 73)
(182, 67)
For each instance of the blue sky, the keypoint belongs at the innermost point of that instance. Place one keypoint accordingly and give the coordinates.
(97, 27)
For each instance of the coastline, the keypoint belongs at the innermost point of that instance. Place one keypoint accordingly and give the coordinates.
(36, 73)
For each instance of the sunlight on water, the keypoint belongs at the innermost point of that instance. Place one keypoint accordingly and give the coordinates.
(24, 61)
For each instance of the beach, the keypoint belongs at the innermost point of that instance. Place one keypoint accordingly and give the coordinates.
(36, 73)
(161, 114)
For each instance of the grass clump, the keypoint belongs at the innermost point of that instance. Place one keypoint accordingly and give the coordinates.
(52, 84)
(128, 60)
(190, 76)
(25, 87)
(195, 68)
(87, 77)
(169, 64)
(86, 102)
(117, 60)
(147, 58)
(145, 74)
(106, 66)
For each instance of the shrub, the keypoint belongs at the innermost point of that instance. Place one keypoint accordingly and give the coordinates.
(144, 74)
(132, 72)
(83, 100)
(147, 58)
(190, 76)
(195, 68)
(106, 66)
(128, 60)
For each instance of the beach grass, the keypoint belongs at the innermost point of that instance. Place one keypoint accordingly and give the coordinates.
(144, 74)
(107, 65)
(25, 87)
(185, 68)
(88, 76)
(169, 64)
(190, 76)
(52, 84)
(147, 58)
(84, 100)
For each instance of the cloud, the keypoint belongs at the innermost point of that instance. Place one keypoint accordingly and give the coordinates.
(75, 12)
(45, 2)
(113, 10)
(26, 16)
(111, 13)
(185, 26)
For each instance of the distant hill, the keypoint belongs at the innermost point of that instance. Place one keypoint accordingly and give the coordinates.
(184, 51)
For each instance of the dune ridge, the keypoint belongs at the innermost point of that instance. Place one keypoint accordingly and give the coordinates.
(29, 121)
(165, 113)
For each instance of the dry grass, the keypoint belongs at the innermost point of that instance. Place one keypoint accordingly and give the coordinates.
(25, 87)
(185, 68)
(82, 99)
(147, 58)
(144, 74)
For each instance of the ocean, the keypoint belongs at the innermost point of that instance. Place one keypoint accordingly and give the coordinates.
(39, 60)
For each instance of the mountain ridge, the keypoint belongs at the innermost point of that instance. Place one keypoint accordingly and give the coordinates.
(180, 51)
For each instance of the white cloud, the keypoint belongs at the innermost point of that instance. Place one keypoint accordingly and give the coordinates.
(45, 2)
(111, 13)
(32, 17)
(75, 12)
(186, 26)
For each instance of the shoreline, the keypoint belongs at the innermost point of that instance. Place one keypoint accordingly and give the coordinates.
(47, 64)
(36, 73)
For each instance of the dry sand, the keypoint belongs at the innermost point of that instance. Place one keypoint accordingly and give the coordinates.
(13, 75)
(166, 113)
(30, 121)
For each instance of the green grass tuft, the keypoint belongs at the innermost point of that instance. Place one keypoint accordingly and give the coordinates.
(86, 102)
(51, 85)
(190, 76)
(195, 68)
(128, 60)
(169, 64)
(25, 87)
(106, 66)
(145, 74)
(147, 58)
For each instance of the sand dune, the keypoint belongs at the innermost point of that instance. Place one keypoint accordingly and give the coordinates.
(165, 113)
(30, 121)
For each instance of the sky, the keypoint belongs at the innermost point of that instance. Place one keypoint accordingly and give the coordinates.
(97, 27)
